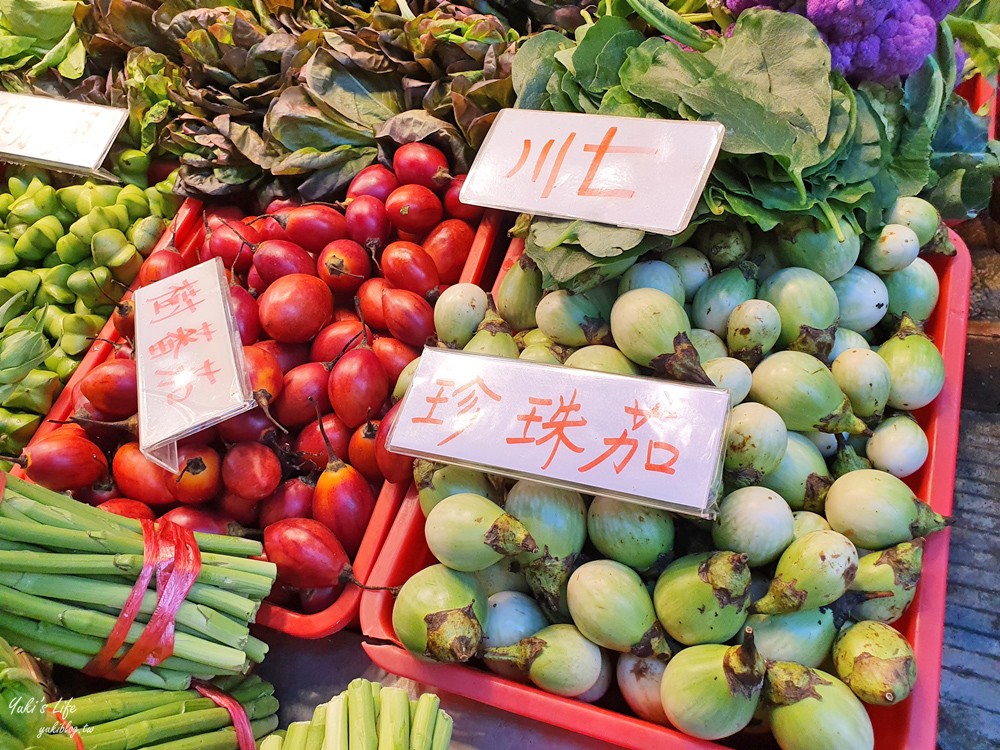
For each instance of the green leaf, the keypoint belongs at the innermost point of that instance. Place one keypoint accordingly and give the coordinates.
(598, 240)
(534, 65)
(923, 103)
(599, 57)
(659, 71)
(965, 183)
(867, 154)
(981, 40)
(575, 93)
(363, 98)
(840, 131)
(42, 19)
(13, 46)
(780, 61)
(296, 122)
(605, 241)
(57, 53)
(618, 101)
(73, 65)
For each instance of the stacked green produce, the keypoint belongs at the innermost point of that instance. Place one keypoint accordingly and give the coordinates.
(368, 716)
(18, 689)
(66, 570)
(136, 717)
(778, 612)
(66, 257)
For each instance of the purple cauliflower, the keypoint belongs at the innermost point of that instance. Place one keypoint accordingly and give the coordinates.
(869, 40)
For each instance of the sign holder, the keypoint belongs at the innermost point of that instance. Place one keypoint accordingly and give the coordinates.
(640, 439)
(629, 172)
(189, 357)
(58, 134)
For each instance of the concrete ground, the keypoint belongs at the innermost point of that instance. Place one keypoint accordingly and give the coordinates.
(970, 693)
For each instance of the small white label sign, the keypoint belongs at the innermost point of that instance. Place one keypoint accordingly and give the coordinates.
(650, 441)
(189, 357)
(66, 135)
(632, 172)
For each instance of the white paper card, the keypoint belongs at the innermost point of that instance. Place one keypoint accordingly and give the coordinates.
(651, 441)
(189, 357)
(58, 133)
(631, 172)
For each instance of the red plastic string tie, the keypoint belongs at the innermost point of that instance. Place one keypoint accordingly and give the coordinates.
(67, 727)
(171, 552)
(241, 722)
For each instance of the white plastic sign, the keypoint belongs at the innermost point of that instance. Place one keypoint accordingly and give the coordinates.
(58, 133)
(631, 172)
(189, 357)
(650, 441)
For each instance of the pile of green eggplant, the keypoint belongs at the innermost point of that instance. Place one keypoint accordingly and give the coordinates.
(67, 255)
(777, 614)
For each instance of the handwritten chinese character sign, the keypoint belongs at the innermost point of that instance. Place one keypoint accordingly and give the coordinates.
(633, 172)
(637, 438)
(190, 365)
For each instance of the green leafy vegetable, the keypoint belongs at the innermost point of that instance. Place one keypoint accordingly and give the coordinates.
(976, 24)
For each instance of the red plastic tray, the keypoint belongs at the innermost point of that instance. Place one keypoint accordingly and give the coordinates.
(910, 726)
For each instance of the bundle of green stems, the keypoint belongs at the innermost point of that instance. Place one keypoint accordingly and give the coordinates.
(67, 569)
(368, 716)
(132, 718)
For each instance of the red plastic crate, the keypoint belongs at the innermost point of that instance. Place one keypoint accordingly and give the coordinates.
(910, 726)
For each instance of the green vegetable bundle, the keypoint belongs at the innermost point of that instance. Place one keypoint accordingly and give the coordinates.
(21, 695)
(367, 716)
(800, 141)
(132, 718)
(67, 569)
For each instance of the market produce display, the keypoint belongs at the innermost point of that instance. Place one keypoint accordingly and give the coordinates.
(329, 142)
(67, 255)
(368, 716)
(546, 586)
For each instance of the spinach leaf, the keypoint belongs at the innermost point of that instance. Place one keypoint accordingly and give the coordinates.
(780, 61)
(965, 183)
(534, 65)
(599, 240)
(659, 71)
(618, 101)
(599, 56)
(923, 101)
